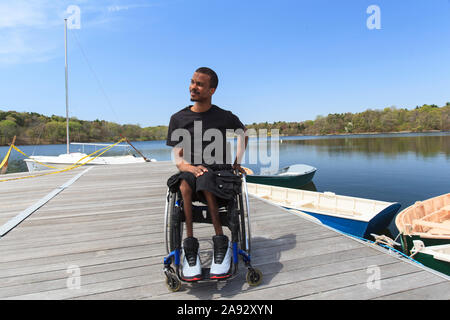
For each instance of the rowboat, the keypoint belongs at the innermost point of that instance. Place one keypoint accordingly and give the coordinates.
(356, 216)
(427, 221)
(293, 176)
(435, 257)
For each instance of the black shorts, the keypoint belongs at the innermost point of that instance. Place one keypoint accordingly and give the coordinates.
(219, 180)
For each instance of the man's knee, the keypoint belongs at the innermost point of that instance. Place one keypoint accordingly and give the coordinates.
(209, 195)
(185, 188)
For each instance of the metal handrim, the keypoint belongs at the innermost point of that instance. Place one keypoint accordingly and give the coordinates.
(247, 216)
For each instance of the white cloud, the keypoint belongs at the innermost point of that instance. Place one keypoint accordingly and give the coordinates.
(116, 8)
(27, 30)
(19, 14)
(30, 30)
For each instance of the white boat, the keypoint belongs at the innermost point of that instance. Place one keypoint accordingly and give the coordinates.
(37, 163)
(68, 159)
(355, 216)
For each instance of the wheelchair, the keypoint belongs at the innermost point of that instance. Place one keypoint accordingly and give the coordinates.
(233, 213)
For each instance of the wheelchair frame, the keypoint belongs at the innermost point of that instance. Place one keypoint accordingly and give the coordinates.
(238, 221)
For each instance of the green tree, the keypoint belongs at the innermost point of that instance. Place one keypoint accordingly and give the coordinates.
(8, 129)
(55, 131)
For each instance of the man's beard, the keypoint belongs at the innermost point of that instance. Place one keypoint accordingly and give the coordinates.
(199, 99)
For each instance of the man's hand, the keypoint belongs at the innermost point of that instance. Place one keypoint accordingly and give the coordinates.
(182, 165)
(197, 171)
(238, 168)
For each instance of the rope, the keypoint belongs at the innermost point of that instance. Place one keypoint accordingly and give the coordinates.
(383, 245)
(70, 167)
(43, 164)
(108, 101)
(385, 240)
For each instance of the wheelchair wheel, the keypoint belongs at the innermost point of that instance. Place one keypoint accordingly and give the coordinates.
(172, 282)
(245, 232)
(254, 277)
(170, 226)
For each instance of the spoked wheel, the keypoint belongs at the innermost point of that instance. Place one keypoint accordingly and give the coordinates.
(171, 226)
(245, 232)
(172, 282)
(254, 277)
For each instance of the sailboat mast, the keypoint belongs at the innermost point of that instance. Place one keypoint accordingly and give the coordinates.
(67, 89)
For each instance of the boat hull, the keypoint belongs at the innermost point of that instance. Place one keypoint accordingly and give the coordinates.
(408, 244)
(68, 160)
(34, 166)
(287, 181)
(429, 261)
(358, 228)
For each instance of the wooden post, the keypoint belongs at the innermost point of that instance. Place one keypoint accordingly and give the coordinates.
(6, 164)
(128, 141)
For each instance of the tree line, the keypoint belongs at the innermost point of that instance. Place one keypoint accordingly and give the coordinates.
(34, 128)
(391, 119)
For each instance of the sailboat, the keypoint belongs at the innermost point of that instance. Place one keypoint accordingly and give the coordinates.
(37, 163)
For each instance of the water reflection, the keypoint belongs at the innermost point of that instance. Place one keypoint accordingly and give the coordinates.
(425, 146)
(309, 187)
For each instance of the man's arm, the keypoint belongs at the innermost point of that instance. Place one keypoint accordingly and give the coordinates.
(242, 142)
(185, 166)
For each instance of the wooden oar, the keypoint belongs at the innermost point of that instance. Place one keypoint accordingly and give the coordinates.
(6, 164)
(128, 141)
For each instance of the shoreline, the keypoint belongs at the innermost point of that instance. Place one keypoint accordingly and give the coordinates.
(363, 133)
(281, 135)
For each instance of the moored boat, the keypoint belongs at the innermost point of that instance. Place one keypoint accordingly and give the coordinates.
(293, 176)
(434, 257)
(356, 216)
(38, 163)
(427, 221)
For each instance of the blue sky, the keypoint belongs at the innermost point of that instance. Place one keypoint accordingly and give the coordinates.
(276, 60)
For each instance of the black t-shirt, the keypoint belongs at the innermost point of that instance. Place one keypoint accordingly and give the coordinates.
(198, 147)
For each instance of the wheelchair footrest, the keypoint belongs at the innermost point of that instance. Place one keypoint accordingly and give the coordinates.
(205, 273)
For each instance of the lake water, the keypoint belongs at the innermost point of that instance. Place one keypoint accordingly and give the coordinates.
(400, 168)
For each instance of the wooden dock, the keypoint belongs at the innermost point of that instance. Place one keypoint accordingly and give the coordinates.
(102, 238)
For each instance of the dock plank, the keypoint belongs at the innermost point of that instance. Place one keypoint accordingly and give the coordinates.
(109, 224)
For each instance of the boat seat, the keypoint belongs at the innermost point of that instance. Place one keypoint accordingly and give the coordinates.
(436, 228)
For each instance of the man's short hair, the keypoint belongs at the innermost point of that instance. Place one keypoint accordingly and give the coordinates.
(214, 80)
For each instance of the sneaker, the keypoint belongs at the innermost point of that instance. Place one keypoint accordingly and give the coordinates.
(221, 264)
(192, 267)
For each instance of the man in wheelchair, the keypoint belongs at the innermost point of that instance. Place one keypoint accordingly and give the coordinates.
(198, 162)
